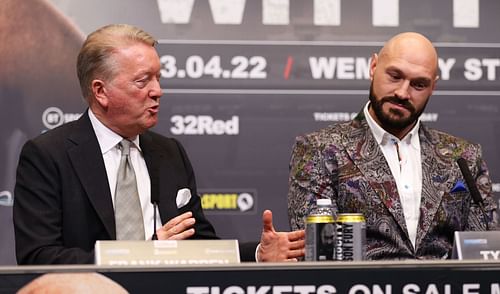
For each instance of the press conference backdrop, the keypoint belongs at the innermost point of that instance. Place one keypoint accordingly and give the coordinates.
(241, 79)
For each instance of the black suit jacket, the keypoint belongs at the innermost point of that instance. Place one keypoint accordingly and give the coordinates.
(62, 202)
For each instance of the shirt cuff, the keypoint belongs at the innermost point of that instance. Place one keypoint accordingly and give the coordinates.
(257, 253)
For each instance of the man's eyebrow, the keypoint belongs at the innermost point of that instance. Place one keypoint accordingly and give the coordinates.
(421, 80)
(399, 71)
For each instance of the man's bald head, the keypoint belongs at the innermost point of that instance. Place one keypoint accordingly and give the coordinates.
(403, 74)
(413, 47)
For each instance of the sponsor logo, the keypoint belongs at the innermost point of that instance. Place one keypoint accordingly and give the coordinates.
(228, 201)
(204, 125)
(6, 198)
(53, 117)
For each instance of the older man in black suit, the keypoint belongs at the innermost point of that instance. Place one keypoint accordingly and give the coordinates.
(72, 181)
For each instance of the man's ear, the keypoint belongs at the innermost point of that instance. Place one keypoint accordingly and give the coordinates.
(373, 65)
(435, 82)
(99, 92)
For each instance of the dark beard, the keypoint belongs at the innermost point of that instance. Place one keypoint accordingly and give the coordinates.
(394, 122)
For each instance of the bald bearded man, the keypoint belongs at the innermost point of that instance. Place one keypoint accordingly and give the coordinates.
(388, 165)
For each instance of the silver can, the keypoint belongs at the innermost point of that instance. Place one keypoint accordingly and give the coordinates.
(350, 239)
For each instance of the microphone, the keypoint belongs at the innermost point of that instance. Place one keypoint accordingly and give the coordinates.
(155, 208)
(471, 184)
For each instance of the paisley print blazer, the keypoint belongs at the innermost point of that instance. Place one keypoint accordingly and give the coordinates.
(344, 162)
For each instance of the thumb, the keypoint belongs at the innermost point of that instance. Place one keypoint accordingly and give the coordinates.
(267, 221)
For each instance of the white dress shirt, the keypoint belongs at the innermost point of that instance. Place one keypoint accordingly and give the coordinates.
(108, 141)
(403, 157)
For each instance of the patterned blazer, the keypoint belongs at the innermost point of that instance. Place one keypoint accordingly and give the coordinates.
(344, 162)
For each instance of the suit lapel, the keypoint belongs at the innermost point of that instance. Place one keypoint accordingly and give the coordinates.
(162, 174)
(88, 164)
(432, 184)
(368, 157)
(152, 157)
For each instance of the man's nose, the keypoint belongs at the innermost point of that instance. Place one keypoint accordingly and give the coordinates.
(156, 91)
(403, 90)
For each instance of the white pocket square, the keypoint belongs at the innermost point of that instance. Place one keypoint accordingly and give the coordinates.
(183, 197)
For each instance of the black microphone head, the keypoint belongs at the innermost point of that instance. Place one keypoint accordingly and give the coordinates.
(469, 180)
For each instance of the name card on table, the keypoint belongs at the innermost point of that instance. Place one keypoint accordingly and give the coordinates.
(166, 252)
(477, 245)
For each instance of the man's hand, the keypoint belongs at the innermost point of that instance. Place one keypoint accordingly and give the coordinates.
(178, 228)
(279, 246)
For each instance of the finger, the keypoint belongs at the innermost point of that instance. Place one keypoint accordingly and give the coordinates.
(295, 253)
(176, 220)
(183, 235)
(183, 225)
(300, 244)
(296, 235)
(267, 221)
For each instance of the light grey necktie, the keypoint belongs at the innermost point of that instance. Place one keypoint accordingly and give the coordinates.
(128, 212)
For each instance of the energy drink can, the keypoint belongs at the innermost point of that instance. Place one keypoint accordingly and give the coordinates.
(350, 240)
(320, 232)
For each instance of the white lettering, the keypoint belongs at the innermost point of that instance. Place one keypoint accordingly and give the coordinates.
(275, 12)
(308, 289)
(322, 67)
(327, 12)
(345, 68)
(411, 289)
(466, 13)
(260, 290)
(53, 117)
(227, 11)
(474, 70)
(491, 67)
(376, 289)
(432, 289)
(385, 13)
(445, 67)
(495, 254)
(447, 289)
(234, 290)
(326, 289)
(282, 289)
(362, 68)
(197, 290)
(470, 288)
(433, 117)
(332, 116)
(204, 125)
(175, 11)
(495, 288)
(359, 289)
(342, 68)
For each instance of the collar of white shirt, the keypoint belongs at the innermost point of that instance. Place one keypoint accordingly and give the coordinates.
(382, 136)
(105, 136)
